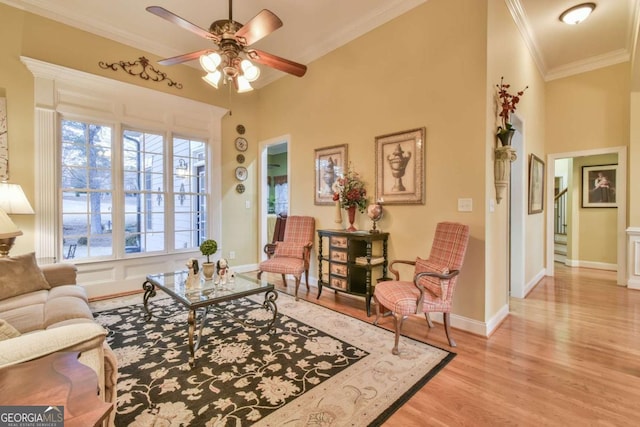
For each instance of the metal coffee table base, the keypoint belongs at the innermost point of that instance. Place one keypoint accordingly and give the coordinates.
(269, 304)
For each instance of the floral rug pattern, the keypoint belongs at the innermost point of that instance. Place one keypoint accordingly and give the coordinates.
(318, 367)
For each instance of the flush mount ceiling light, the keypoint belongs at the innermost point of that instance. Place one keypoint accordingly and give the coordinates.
(577, 14)
(229, 62)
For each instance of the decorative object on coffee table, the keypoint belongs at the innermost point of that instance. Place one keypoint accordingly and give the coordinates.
(208, 248)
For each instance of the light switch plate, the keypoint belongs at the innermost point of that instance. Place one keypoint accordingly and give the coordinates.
(465, 205)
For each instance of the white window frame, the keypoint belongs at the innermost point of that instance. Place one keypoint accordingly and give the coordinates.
(60, 90)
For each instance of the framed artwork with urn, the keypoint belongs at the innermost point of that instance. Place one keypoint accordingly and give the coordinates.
(400, 167)
(330, 164)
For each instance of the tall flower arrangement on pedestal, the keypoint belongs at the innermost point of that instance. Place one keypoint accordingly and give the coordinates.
(508, 102)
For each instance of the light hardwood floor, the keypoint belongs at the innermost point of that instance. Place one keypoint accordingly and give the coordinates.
(567, 355)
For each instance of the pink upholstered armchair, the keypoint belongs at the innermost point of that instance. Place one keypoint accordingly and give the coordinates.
(291, 255)
(433, 283)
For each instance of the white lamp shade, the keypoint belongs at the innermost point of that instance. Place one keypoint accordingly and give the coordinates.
(210, 62)
(13, 200)
(213, 78)
(243, 84)
(7, 227)
(250, 71)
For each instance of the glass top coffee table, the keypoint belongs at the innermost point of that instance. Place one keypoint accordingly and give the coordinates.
(195, 293)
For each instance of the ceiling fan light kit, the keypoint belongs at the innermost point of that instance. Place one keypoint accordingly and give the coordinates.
(231, 59)
(577, 14)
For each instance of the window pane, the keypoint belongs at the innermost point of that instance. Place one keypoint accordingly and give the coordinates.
(143, 158)
(189, 178)
(86, 182)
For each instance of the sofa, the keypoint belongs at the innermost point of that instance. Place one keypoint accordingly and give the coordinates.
(43, 311)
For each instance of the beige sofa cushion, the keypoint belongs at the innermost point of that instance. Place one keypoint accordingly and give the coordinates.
(20, 275)
(7, 331)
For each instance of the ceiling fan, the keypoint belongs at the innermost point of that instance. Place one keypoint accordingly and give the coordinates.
(233, 41)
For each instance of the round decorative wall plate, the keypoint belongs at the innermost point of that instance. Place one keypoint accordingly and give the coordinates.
(241, 173)
(241, 144)
(240, 158)
(240, 129)
(240, 188)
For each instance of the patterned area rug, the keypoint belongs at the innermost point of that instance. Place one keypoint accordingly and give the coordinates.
(318, 367)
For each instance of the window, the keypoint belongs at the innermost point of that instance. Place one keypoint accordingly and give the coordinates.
(146, 212)
(83, 101)
(86, 189)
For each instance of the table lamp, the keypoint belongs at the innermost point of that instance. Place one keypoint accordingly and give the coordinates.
(12, 201)
(8, 234)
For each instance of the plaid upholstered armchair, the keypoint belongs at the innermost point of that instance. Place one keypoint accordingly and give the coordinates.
(433, 283)
(291, 255)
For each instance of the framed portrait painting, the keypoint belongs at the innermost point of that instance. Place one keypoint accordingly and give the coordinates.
(599, 186)
(330, 164)
(536, 184)
(400, 167)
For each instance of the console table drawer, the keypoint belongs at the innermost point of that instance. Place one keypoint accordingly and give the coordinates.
(339, 256)
(337, 282)
(339, 269)
(338, 242)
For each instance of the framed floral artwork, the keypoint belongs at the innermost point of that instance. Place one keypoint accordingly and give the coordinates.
(599, 186)
(400, 167)
(330, 164)
(536, 184)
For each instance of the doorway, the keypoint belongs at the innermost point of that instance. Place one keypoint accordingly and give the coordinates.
(274, 186)
(621, 191)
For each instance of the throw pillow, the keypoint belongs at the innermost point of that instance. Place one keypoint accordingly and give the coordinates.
(20, 275)
(430, 283)
(7, 331)
(289, 250)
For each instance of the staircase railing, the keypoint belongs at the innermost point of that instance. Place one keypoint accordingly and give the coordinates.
(560, 209)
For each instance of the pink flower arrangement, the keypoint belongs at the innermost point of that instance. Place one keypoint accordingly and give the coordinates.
(349, 190)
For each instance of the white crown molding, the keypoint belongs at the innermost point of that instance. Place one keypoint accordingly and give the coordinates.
(589, 64)
(522, 23)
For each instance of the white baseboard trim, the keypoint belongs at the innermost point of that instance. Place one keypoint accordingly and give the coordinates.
(633, 284)
(533, 282)
(591, 264)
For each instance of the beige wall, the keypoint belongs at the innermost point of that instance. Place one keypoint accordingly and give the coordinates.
(377, 85)
(589, 110)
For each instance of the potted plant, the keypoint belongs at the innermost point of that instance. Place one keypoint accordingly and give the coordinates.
(208, 248)
(508, 104)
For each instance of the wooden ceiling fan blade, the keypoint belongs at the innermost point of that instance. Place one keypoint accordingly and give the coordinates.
(181, 22)
(184, 57)
(276, 62)
(261, 25)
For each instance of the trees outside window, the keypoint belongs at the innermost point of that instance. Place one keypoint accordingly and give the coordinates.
(144, 213)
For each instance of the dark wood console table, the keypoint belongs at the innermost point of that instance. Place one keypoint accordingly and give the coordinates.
(352, 259)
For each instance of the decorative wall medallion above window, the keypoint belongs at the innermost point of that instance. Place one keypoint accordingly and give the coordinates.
(141, 69)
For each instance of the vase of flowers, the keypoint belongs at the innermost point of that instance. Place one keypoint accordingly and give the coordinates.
(351, 194)
(208, 248)
(508, 104)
